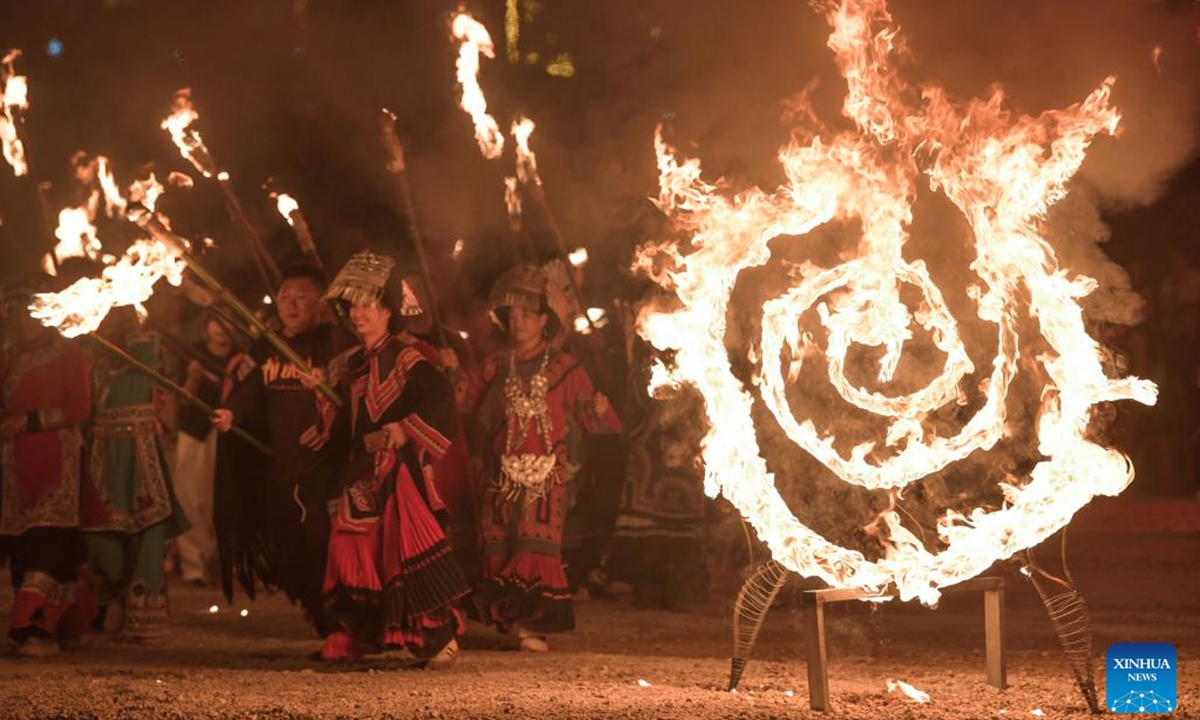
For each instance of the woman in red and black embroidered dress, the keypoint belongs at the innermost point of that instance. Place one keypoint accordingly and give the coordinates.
(392, 579)
(534, 395)
(46, 397)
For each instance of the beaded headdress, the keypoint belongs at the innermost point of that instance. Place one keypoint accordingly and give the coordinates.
(529, 287)
(368, 277)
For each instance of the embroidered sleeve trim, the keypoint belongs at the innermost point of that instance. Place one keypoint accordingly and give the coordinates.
(425, 435)
(409, 357)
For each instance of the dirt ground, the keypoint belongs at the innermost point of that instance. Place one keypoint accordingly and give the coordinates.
(1134, 559)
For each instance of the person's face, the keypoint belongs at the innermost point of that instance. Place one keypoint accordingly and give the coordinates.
(370, 320)
(218, 337)
(526, 326)
(299, 304)
(25, 329)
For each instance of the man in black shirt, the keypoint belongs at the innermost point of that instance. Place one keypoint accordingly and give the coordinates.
(196, 453)
(280, 532)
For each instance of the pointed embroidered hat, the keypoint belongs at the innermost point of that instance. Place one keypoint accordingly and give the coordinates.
(530, 287)
(369, 277)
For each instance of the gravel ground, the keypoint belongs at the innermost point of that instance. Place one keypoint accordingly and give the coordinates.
(1134, 559)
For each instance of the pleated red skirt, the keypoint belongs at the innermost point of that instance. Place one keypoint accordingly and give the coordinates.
(392, 581)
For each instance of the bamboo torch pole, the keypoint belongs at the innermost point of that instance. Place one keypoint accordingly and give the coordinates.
(183, 352)
(146, 221)
(527, 173)
(290, 210)
(538, 194)
(247, 314)
(262, 259)
(398, 169)
(181, 125)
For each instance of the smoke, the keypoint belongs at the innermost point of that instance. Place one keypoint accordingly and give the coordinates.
(1050, 55)
(718, 74)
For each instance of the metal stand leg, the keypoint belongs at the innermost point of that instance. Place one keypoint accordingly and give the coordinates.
(993, 622)
(813, 608)
(814, 639)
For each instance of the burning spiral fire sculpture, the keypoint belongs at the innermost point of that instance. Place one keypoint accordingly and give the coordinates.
(1002, 172)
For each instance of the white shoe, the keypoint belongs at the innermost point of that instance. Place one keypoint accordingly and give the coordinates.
(532, 642)
(445, 658)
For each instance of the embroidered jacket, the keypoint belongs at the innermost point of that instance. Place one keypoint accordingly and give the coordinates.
(128, 486)
(390, 383)
(49, 385)
(569, 397)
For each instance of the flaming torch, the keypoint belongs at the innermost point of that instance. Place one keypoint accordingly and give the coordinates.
(181, 125)
(290, 210)
(114, 201)
(76, 231)
(152, 224)
(76, 238)
(578, 257)
(527, 173)
(81, 308)
(14, 98)
(1002, 172)
(516, 227)
(398, 169)
(474, 40)
(146, 192)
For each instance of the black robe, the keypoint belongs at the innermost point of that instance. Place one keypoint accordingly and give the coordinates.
(271, 513)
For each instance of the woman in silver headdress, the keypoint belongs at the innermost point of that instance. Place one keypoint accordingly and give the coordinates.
(534, 392)
(391, 580)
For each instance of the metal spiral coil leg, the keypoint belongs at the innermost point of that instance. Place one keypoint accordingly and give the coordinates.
(1073, 625)
(1069, 615)
(750, 610)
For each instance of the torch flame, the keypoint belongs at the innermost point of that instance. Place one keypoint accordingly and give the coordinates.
(474, 40)
(16, 89)
(578, 257)
(1002, 172)
(76, 234)
(14, 98)
(286, 205)
(512, 200)
(146, 193)
(114, 202)
(180, 180)
(81, 308)
(186, 137)
(527, 170)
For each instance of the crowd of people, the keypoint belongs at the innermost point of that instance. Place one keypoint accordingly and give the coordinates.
(387, 474)
(358, 459)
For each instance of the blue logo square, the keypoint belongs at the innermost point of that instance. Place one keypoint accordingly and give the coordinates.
(1140, 678)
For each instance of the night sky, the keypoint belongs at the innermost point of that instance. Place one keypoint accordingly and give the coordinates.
(289, 91)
